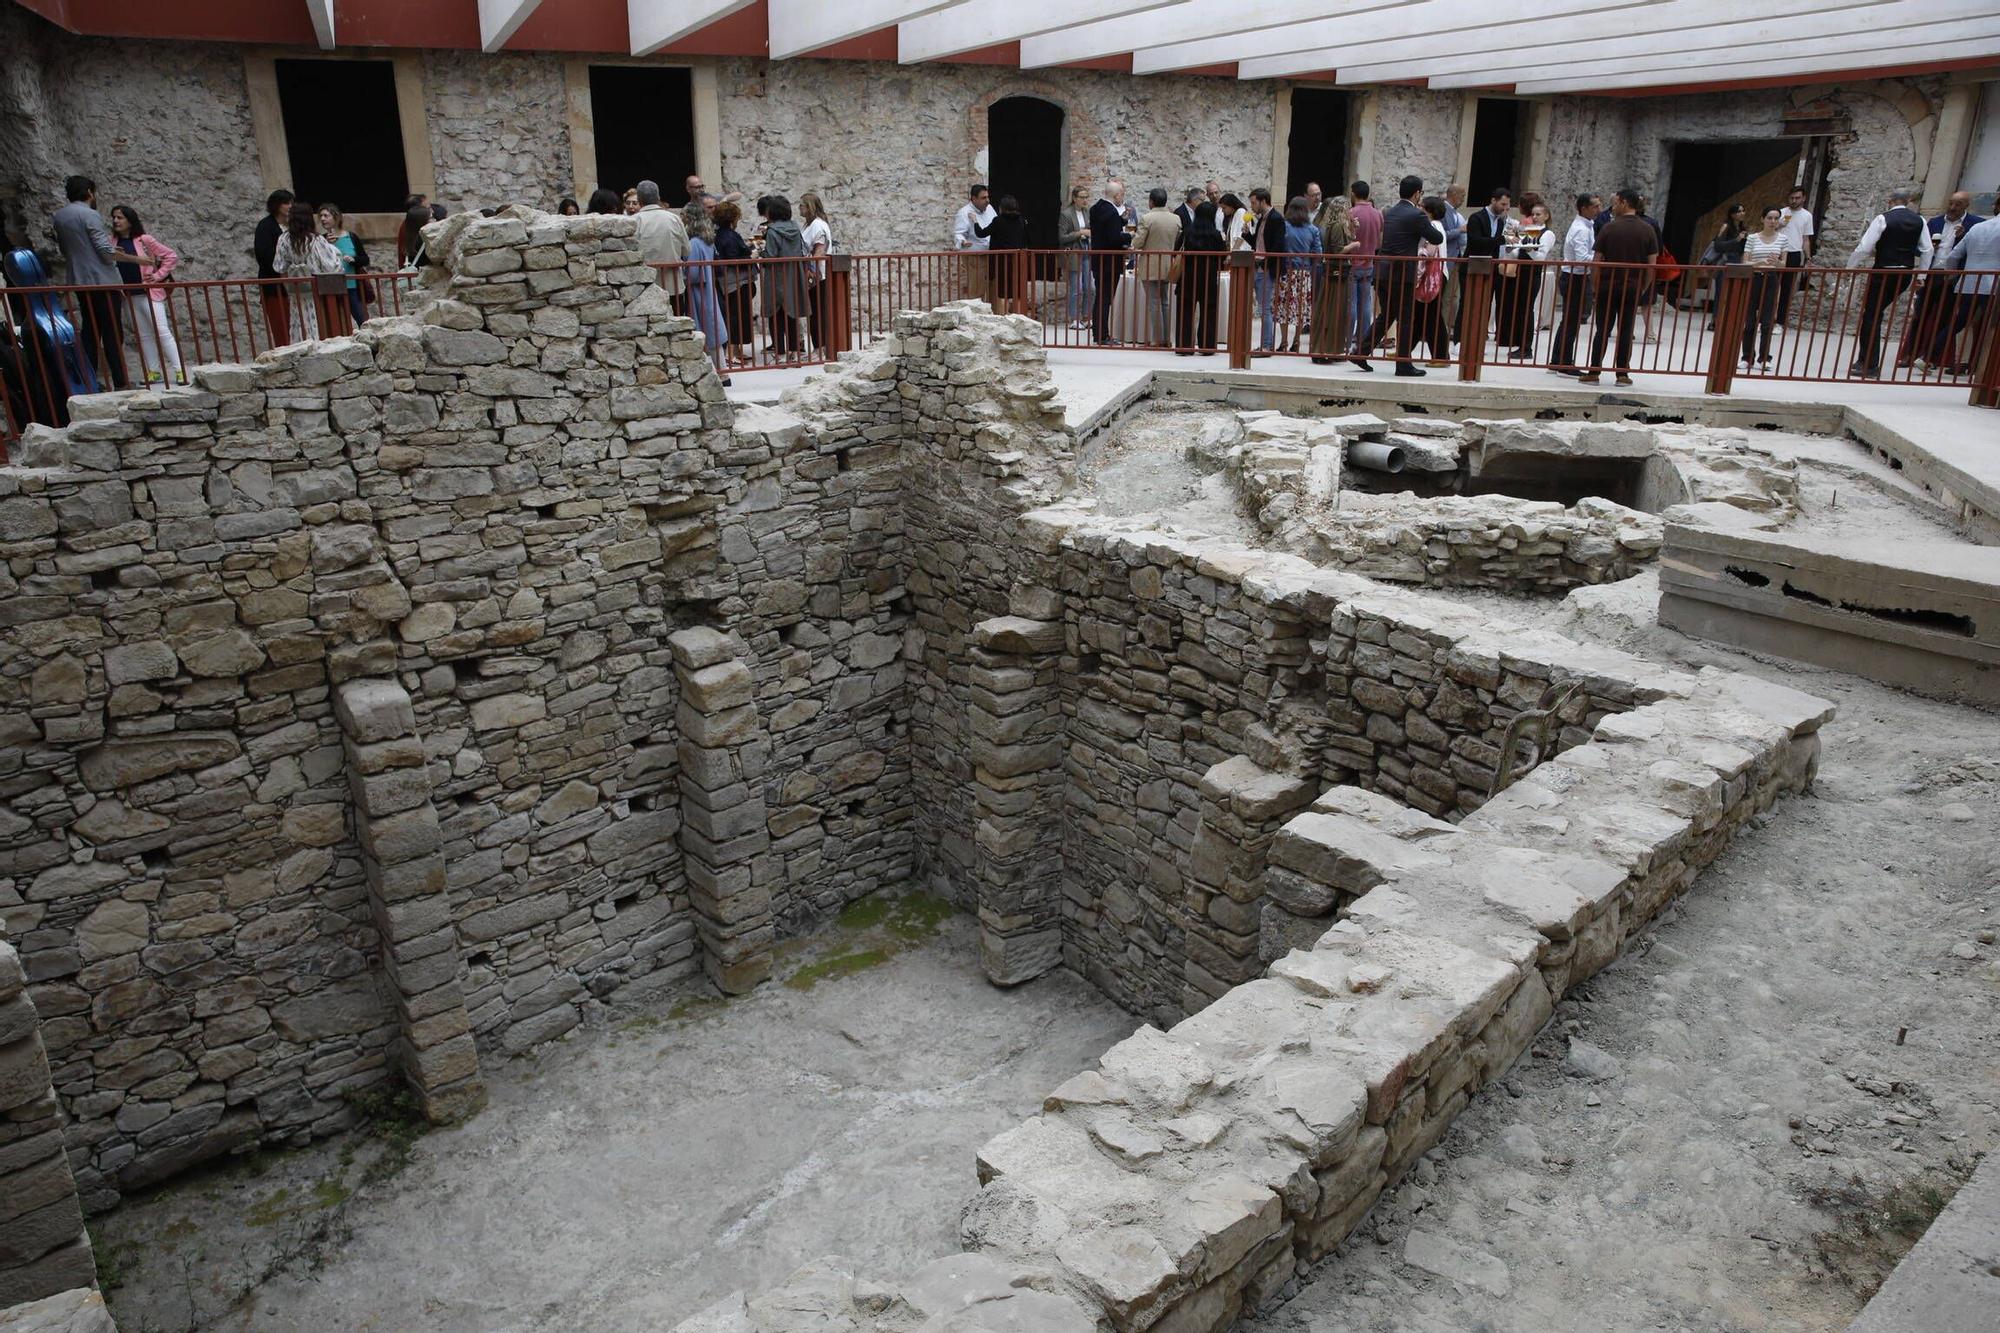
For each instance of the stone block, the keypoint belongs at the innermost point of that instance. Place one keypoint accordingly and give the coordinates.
(374, 710)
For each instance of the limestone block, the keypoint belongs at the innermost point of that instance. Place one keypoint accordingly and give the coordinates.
(1016, 634)
(501, 711)
(374, 710)
(720, 687)
(113, 928)
(140, 662)
(1126, 1269)
(75, 1310)
(700, 647)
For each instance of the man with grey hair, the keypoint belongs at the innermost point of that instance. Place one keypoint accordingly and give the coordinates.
(663, 239)
(1896, 244)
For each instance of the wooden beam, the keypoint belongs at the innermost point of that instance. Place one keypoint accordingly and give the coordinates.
(800, 26)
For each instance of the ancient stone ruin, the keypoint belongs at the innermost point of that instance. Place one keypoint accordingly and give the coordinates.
(369, 712)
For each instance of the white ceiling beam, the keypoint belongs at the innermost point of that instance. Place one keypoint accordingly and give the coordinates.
(1917, 29)
(1308, 47)
(973, 25)
(499, 20)
(799, 26)
(322, 17)
(1723, 71)
(652, 24)
(1189, 21)
(1489, 51)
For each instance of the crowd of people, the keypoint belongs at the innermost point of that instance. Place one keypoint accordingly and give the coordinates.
(1335, 277)
(1340, 277)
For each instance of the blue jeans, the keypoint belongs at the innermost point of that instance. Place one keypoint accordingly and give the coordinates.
(1361, 312)
(1082, 288)
(1266, 307)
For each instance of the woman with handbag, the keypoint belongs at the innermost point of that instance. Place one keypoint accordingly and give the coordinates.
(1427, 322)
(1531, 246)
(1725, 249)
(150, 270)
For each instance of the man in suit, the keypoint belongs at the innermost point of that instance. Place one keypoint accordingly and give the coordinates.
(1404, 227)
(1196, 197)
(1158, 231)
(93, 262)
(1107, 234)
(1897, 245)
(1485, 233)
(1926, 335)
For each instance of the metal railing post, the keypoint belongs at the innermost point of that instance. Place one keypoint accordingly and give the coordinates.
(1732, 312)
(1242, 300)
(1475, 308)
(836, 310)
(1986, 356)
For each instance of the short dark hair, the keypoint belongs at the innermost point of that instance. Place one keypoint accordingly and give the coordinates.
(1157, 196)
(276, 200)
(1584, 201)
(1194, 190)
(1631, 198)
(781, 209)
(1435, 207)
(1409, 187)
(1358, 190)
(978, 188)
(1499, 192)
(78, 188)
(1009, 204)
(1261, 193)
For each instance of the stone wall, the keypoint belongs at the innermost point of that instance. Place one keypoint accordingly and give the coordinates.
(1185, 1180)
(342, 726)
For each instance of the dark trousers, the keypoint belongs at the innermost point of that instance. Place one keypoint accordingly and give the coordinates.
(1517, 310)
(103, 331)
(1427, 326)
(815, 318)
(1765, 288)
(1795, 260)
(1766, 292)
(1617, 302)
(1966, 309)
(1194, 325)
(1396, 286)
(1885, 287)
(1108, 273)
(784, 336)
(1574, 289)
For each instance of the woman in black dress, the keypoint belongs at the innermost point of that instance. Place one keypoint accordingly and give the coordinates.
(1007, 237)
(737, 283)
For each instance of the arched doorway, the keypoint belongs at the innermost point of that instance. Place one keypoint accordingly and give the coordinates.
(1024, 158)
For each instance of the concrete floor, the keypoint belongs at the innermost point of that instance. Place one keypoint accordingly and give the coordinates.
(634, 1174)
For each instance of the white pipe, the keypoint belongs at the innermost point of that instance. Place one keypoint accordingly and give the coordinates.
(1377, 457)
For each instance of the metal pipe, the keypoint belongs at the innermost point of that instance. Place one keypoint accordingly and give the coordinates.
(1377, 457)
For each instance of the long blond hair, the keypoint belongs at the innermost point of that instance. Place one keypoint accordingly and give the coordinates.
(814, 210)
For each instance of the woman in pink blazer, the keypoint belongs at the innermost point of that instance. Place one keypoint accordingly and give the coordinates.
(146, 276)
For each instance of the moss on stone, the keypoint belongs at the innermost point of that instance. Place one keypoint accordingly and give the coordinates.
(838, 965)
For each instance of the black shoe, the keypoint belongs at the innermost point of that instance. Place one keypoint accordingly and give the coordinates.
(1408, 371)
(1179, 352)
(1323, 360)
(1360, 364)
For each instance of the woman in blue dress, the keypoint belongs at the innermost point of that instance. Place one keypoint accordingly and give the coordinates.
(704, 304)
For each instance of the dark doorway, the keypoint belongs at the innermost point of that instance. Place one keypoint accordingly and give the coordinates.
(643, 116)
(1496, 148)
(1708, 177)
(1024, 158)
(1317, 148)
(343, 134)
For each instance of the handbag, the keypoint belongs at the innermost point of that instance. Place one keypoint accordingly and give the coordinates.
(1430, 280)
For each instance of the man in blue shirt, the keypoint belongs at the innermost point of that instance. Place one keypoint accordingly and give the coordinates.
(1454, 248)
(1978, 249)
(1932, 324)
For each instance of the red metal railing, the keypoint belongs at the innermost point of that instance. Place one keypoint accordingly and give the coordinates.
(1823, 325)
(1812, 325)
(57, 341)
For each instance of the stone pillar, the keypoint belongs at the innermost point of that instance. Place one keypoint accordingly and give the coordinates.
(1017, 748)
(724, 752)
(401, 851)
(1242, 808)
(43, 1248)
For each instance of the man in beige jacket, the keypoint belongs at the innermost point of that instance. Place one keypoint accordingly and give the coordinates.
(1158, 230)
(663, 239)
